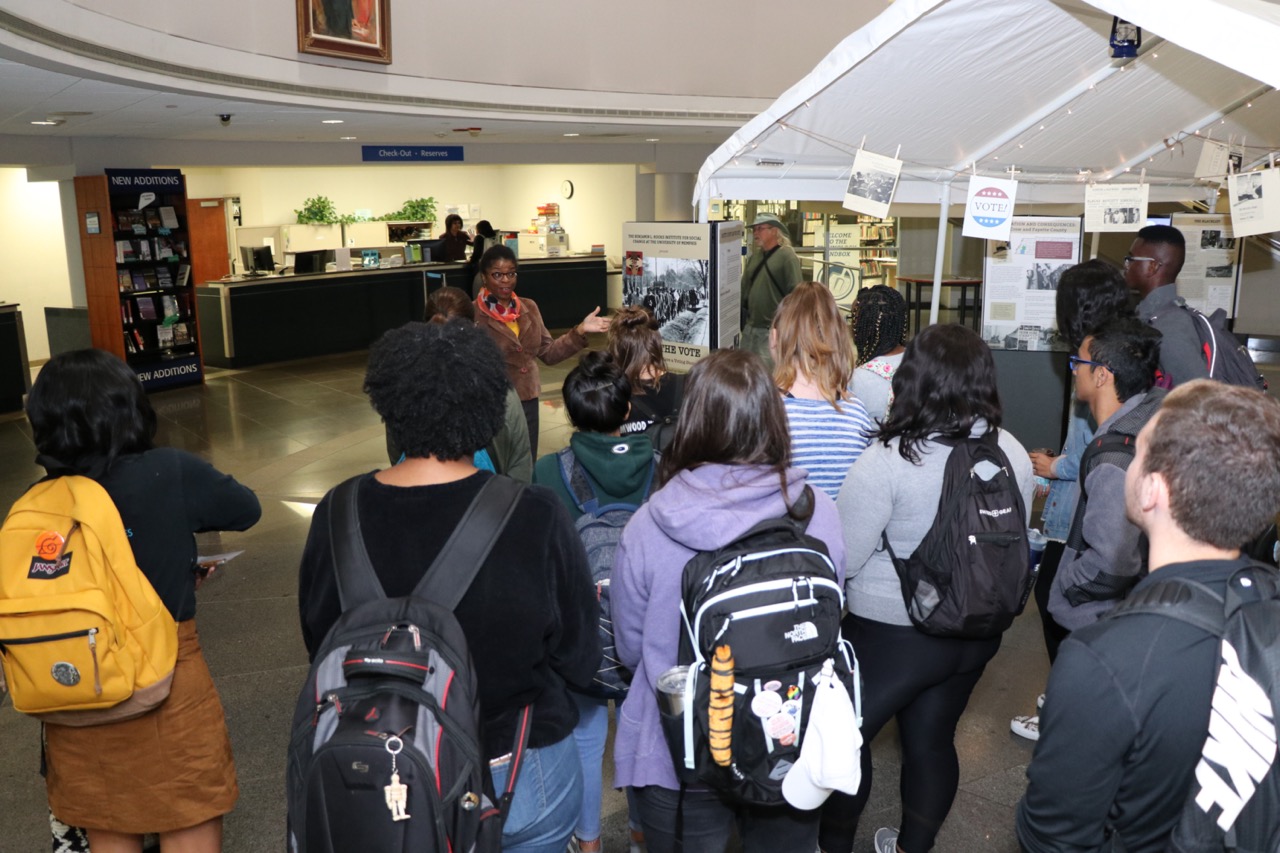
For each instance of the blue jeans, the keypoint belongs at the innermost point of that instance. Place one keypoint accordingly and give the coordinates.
(591, 733)
(547, 799)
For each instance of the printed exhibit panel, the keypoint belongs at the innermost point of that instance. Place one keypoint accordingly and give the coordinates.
(1019, 310)
(667, 269)
(1212, 266)
(727, 306)
(844, 267)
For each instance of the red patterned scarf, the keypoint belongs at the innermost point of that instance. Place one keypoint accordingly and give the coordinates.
(489, 304)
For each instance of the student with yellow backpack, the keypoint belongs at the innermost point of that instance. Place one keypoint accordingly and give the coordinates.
(97, 603)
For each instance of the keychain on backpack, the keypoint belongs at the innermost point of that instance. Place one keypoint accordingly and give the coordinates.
(397, 794)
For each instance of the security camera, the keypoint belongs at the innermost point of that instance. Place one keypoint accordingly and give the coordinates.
(225, 118)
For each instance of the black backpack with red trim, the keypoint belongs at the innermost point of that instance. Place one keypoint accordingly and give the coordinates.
(386, 752)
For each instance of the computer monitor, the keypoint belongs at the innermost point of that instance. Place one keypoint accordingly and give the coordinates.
(257, 260)
(311, 262)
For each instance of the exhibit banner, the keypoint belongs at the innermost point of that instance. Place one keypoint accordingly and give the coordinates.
(844, 267)
(988, 212)
(1254, 211)
(1115, 207)
(669, 268)
(1212, 265)
(1020, 282)
(872, 183)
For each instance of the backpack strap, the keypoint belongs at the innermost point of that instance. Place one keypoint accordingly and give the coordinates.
(450, 575)
(1108, 442)
(1176, 598)
(577, 482)
(356, 579)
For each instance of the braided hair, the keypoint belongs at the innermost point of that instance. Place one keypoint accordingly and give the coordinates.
(879, 321)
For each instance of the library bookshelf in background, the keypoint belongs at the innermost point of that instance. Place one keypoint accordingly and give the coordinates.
(137, 272)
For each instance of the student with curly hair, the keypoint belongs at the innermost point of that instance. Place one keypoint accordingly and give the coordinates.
(529, 617)
(879, 323)
(169, 771)
(813, 360)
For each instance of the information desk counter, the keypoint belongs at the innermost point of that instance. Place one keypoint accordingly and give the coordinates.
(250, 321)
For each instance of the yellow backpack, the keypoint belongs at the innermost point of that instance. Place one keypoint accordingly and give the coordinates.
(84, 638)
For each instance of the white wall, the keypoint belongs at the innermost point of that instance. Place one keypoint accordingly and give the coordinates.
(604, 195)
(31, 240)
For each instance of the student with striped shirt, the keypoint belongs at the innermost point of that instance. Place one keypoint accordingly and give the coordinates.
(813, 357)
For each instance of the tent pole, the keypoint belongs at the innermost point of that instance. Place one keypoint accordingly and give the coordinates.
(944, 206)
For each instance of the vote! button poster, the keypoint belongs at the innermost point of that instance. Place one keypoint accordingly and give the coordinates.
(988, 213)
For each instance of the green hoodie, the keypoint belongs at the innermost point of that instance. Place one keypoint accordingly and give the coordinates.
(618, 464)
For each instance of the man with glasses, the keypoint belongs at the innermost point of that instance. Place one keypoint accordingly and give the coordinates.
(1104, 555)
(1151, 269)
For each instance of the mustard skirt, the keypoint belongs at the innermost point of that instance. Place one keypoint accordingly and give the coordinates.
(167, 770)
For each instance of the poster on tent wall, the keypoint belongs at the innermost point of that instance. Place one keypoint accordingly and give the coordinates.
(1020, 281)
(872, 183)
(1212, 266)
(844, 268)
(1115, 207)
(668, 269)
(988, 212)
(1255, 202)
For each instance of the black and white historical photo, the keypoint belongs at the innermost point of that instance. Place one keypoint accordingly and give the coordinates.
(1043, 276)
(1219, 271)
(675, 292)
(872, 184)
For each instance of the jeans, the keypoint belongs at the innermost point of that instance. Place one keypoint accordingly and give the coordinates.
(547, 799)
(708, 822)
(925, 683)
(591, 733)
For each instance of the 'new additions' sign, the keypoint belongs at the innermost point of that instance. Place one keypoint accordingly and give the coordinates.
(411, 153)
(125, 181)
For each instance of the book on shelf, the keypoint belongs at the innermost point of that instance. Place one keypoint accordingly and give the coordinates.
(149, 276)
(184, 274)
(181, 334)
(170, 306)
(164, 336)
(128, 343)
(184, 302)
(166, 250)
(124, 280)
(137, 339)
(126, 313)
(152, 217)
(164, 277)
(146, 308)
(143, 249)
(139, 281)
(125, 251)
(168, 217)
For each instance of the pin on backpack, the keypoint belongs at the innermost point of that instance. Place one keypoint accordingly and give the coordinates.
(84, 637)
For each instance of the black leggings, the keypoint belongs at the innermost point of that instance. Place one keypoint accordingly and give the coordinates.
(925, 683)
(530, 408)
(1054, 633)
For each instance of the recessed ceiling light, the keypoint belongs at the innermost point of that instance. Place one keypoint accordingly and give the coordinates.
(653, 139)
(346, 138)
(332, 121)
(573, 134)
(49, 122)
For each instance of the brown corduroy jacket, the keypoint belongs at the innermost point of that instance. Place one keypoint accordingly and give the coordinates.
(521, 354)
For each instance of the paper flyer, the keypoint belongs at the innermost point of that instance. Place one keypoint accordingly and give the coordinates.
(844, 267)
(1255, 202)
(1115, 207)
(1020, 281)
(1209, 272)
(667, 269)
(988, 212)
(872, 184)
(729, 236)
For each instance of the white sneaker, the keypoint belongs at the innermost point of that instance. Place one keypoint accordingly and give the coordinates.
(1040, 702)
(886, 840)
(1027, 727)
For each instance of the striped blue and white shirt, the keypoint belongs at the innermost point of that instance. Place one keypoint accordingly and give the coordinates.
(825, 442)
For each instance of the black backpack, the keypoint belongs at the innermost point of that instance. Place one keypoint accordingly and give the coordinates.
(971, 574)
(1226, 359)
(771, 597)
(390, 709)
(600, 528)
(661, 428)
(1234, 801)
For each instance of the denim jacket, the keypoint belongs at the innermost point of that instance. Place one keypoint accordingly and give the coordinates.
(1060, 505)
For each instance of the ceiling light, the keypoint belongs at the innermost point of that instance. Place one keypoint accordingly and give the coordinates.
(653, 139)
(49, 122)
(333, 121)
(573, 134)
(346, 138)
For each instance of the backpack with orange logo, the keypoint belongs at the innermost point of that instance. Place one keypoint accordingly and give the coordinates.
(84, 638)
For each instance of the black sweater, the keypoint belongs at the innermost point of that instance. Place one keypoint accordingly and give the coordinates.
(165, 495)
(529, 617)
(1124, 719)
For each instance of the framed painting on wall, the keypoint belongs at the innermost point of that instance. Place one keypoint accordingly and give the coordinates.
(351, 29)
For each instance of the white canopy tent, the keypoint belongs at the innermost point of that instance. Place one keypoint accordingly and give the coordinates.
(964, 86)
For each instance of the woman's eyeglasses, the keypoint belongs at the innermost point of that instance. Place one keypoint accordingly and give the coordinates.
(502, 276)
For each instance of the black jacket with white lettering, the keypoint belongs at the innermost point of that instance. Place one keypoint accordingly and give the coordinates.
(1125, 717)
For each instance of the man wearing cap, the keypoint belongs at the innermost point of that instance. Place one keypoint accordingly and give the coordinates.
(772, 271)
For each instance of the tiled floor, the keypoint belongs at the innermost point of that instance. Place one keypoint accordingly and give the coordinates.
(291, 432)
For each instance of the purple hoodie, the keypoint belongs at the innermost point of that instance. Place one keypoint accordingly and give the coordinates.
(699, 510)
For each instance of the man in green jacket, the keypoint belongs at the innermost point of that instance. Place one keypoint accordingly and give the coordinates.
(772, 271)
